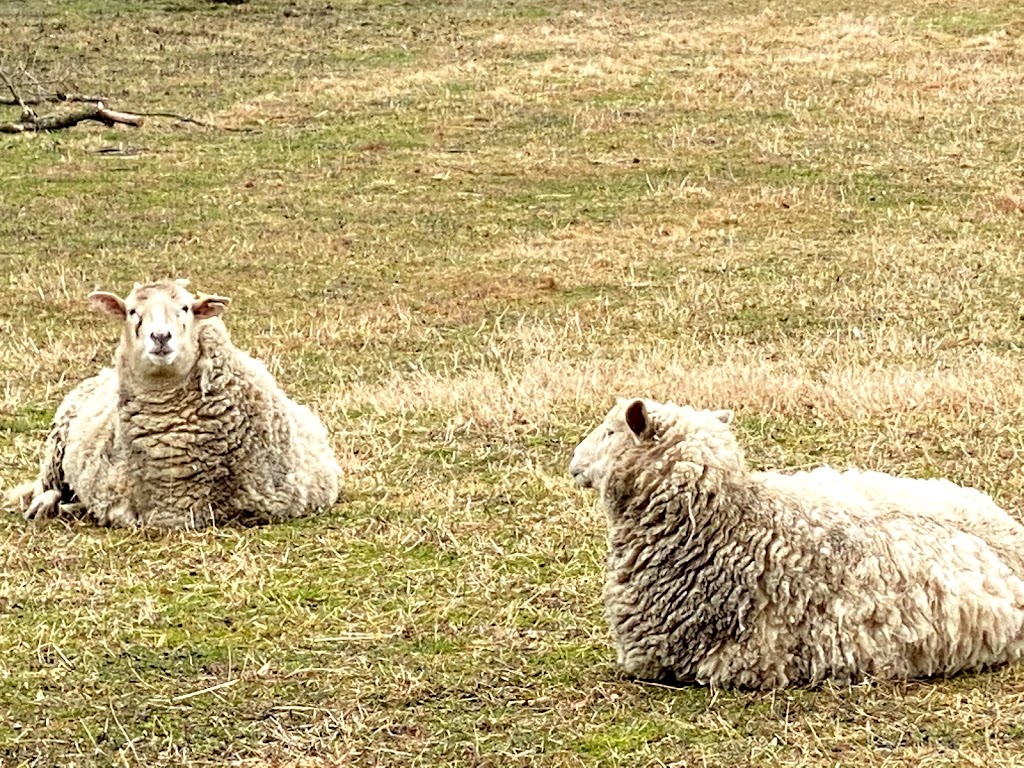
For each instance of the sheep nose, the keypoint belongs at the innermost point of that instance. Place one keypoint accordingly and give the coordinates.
(160, 338)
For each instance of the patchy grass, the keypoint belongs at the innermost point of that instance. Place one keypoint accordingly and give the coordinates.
(459, 231)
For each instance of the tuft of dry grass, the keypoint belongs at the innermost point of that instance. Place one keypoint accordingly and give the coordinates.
(459, 232)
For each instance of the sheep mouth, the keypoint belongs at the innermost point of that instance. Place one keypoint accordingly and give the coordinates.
(162, 355)
(581, 479)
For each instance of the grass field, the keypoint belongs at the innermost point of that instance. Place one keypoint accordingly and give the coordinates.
(459, 230)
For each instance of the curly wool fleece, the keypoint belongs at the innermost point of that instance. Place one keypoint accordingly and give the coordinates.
(730, 578)
(182, 440)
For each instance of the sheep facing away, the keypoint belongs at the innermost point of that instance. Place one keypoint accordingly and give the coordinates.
(184, 431)
(732, 578)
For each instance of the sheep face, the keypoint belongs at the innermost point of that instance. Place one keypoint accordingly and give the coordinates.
(624, 426)
(635, 428)
(160, 339)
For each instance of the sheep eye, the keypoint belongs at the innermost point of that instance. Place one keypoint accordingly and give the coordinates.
(185, 309)
(132, 312)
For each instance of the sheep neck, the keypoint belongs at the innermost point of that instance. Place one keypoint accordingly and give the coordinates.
(692, 546)
(186, 442)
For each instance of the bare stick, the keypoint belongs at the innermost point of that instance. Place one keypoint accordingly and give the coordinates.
(56, 98)
(29, 122)
(211, 689)
(14, 91)
(97, 113)
(187, 119)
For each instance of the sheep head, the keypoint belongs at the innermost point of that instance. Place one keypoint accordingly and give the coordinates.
(161, 320)
(643, 431)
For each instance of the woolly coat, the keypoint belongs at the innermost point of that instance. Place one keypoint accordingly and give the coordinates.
(226, 444)
(761, 580)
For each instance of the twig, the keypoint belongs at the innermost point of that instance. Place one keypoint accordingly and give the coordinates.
(211, 689)
(54, 98)
(128, 739)
(67, 662)
(194, 121)
(32, 80)
(176, 116)
(14, 92)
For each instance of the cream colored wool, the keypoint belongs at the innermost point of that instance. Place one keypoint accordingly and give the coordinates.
(186, 431)
(761, 580)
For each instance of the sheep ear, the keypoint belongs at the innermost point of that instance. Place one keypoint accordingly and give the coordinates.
(637, 419)
(209, 306)
(725, 415)
(108, 304)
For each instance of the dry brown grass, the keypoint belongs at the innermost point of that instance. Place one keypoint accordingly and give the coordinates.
(460, 230)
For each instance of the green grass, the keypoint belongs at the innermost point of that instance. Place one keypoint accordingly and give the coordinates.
(459, 232)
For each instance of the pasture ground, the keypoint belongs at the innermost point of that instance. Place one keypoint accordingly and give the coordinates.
(459, 230)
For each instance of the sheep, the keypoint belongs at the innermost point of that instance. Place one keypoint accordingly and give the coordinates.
(184, 431)
(724, 577)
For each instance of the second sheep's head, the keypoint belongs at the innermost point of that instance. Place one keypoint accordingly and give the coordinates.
(160, 340)
(676, 442)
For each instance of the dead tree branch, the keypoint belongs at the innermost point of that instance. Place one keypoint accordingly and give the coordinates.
(96, 112)
(25, 111)
(30, 122)
(55, 98)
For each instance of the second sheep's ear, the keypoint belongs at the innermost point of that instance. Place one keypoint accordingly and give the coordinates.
(209, 306)
(108, 304)
(637, 419)
(725, 415)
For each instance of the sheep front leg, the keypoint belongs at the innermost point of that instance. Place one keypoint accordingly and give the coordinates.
(119, 515)
(43, 505)
(72, 509)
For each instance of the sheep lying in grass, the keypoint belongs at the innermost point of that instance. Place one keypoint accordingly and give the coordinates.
(184, 432)
(760, 580)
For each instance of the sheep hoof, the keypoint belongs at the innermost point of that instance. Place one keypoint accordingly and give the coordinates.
(44, 505)
(74, 509)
